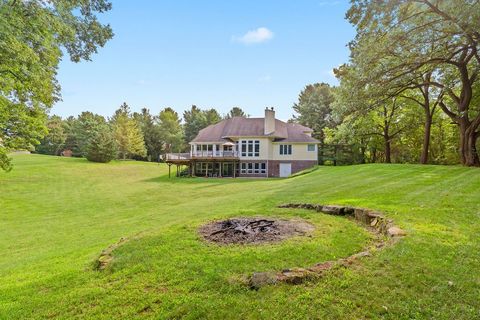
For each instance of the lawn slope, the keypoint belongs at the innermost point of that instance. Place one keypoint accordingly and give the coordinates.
(58, 214)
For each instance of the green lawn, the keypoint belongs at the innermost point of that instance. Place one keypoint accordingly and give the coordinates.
(57, 214)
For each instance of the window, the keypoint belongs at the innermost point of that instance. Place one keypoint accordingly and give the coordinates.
(285, 149)
(203, 168)
(311, 147)
(204, 147)
(250, 148)
(253, 168)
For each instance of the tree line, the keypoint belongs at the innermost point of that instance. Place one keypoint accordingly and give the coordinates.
(411, 89)
(127, 134)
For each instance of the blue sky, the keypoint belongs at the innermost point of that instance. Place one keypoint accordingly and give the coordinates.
(220, 54)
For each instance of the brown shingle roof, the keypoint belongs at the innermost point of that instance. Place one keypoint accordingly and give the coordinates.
(253, 127)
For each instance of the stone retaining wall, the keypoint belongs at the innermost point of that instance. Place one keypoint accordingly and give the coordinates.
(372, 220)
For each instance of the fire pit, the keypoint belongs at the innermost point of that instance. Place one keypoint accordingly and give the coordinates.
(254, 230)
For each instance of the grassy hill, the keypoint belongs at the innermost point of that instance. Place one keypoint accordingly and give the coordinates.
(58, 214)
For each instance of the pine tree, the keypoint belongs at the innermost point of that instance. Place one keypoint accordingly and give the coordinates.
(102, 146)
(128, 135)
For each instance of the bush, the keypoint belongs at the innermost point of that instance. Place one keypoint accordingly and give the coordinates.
(102, 146)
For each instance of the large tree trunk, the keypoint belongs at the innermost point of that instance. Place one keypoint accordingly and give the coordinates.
(426, 137)
(468, 140)
(388, 149)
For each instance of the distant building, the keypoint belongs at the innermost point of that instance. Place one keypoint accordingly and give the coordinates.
(250, 147)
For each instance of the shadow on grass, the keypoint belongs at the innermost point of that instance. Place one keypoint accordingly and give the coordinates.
(203, 180)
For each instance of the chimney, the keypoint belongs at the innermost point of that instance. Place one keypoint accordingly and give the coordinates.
(269, 121)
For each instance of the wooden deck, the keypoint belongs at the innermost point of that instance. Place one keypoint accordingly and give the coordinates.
(207, 156)
(190, 159)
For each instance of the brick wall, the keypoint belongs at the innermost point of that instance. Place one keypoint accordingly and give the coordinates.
(297, 165)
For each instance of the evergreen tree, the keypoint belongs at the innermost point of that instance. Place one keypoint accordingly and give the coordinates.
(314, 108)
(194, 121)
(171, 131)
(212, 116)
(236, 112)
(80, 131)
(102, 146)
(128, 135)
(151, 133)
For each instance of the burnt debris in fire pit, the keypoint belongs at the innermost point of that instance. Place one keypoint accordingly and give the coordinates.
(253, 230)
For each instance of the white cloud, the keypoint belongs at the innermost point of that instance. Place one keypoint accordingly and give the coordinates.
(258, 35)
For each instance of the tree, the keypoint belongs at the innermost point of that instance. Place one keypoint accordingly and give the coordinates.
(194, 121)
(438, 38)
(54, 141)
(32, 34)
(171, 132)
(314, 108)
(369, 110)
(20, 128)
(128, 135)
(151, 133)
(236, 112)
(212, 116)
(102, 146)
(80, 130)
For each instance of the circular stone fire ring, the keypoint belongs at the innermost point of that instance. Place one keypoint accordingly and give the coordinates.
(255, 230)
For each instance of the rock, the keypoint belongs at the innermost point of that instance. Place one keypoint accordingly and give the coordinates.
(396, 232)
(334, 210)
(374, 222)
(361, 215)
(260, 279)
(294, 276)
(352, 258)
(321, 267)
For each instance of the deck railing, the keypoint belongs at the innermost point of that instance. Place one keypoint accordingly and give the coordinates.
(214, 154)
(201, 154)
(177, 156)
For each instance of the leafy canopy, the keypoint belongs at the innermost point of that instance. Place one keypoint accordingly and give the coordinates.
(32, 35)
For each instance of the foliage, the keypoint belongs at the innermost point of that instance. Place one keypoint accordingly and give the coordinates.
(171, 133)
(236, 112)
(21, 127)
(212, 116)
(128, 134)
(151, 133)
(314, 108)
(32, 34)
(80, 130)
(54, 141)
(406, 45)
(196, 119)
(102, 146)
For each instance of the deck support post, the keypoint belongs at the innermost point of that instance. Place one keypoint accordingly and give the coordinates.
(169, 167)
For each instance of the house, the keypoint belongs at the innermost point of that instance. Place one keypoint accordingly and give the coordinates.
(249, 147)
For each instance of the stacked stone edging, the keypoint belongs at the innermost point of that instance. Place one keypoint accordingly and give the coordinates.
(373, 221)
